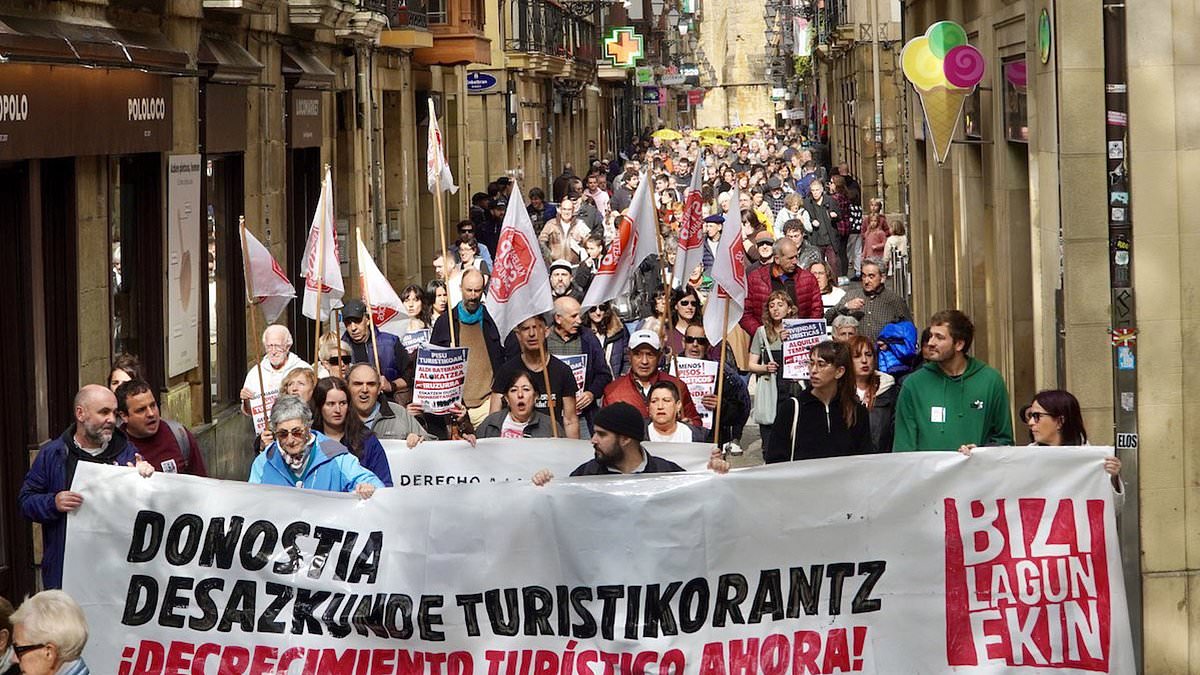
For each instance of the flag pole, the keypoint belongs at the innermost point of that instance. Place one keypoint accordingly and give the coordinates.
(668, 288)
(441, 217)
(721, 374)
(262, 391)
(544, 356)
(366, 301)
(320, 285)
(338, 313)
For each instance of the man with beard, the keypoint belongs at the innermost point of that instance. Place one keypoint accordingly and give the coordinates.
(534, 358)
(617, 442)
(45, 496)
(166, 444)
(645, 353)
(475, 330)
(562, 281)
(278, 361)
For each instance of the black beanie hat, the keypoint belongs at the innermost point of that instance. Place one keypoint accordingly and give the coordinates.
(622, 419)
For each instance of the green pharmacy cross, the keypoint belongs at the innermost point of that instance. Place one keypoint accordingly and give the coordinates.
(624, 47)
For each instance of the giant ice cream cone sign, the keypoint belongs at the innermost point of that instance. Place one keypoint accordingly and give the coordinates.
(944, 70)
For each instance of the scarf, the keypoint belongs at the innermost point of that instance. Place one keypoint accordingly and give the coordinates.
(297, 463)
(470, 318)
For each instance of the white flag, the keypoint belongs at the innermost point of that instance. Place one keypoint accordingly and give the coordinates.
(322, 268)
(386, 309)
(691, 229)
(520, 284)
(436, 166)
(267, 285)
(636, 240)
(729, 276)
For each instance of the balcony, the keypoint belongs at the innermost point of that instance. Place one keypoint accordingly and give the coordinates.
(458, 35)
(366, 19)
(407, 25)
(545, 38)
(316, 14)
(242, 6)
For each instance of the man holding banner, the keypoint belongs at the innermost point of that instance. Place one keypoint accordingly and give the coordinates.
(620, 432)
(558, 400)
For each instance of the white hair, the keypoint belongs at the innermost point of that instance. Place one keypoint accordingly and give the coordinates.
(280, 329)
(52, 617)
(288, 408)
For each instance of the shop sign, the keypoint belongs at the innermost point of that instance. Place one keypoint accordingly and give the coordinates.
(695, 96)
(624, 46)
(480, 82)
(644, 75)
(651, 95)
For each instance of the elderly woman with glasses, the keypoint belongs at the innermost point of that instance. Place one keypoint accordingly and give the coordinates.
(49, 633)
(303, 458)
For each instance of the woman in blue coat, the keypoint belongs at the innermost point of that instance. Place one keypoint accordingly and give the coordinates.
(335, 417)
(303, 458)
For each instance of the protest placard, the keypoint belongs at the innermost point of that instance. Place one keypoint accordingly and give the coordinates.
(439, 377)
(578, 365)
(799, 336)
(414, 339)
(968, 565)
(700, 376)
(260, 410)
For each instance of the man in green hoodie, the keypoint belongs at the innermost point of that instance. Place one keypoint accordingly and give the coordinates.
(954, 399)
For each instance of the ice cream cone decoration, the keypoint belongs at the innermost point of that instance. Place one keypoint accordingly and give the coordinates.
(944, 70)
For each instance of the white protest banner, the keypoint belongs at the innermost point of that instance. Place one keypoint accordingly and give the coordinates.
(414, 339)
(882, 564)
(578, 366)
(439, 376)
(799, 336)
(700, 376)
(503, 460)
(260, 410)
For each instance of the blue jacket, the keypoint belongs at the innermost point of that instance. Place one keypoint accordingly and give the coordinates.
(333, 468)
(393, 357)
(375, 460)
(51, 473)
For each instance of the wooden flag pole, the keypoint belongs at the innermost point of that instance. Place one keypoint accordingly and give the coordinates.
(668, 290)
(544, 357)
(366, 297)
(439, 208)
(262, 390)
(320, 285)
(338, 322)
(721, 374)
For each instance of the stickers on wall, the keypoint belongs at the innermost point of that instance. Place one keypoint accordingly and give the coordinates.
(1127, 401)
(1114, 88)
(1125, 358)
(1127, 441)
(1117, 119)
(1116, 149)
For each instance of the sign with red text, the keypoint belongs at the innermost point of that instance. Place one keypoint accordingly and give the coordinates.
(439, 377)
(700, 376)
(799, 337)
(923, 562)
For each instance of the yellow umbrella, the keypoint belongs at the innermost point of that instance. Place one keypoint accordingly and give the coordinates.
(709, 140)
(713, 131)
(744, 129)
(667, 135)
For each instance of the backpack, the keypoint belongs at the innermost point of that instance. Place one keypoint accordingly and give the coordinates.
(181, 437)
(898, 350)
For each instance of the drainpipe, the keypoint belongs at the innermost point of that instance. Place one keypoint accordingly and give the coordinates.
(1124, 307)
(878, 103)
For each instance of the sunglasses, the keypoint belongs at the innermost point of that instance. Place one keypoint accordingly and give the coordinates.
(467, 230)
(694, 340)
(343, 360)
(22, 650)
(283, 434)
(686, 303)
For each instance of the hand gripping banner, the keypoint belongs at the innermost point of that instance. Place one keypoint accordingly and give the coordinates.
(1002, 562)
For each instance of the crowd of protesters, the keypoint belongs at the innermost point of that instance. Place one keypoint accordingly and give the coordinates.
(813, 250)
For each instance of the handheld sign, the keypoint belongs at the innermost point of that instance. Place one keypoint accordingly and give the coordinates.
(439, 377)
(700, 376)
(799, 336)
(578, 365)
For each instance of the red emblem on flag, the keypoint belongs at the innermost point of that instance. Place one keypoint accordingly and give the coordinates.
(517, 267)
(626, 239)
(691, 227)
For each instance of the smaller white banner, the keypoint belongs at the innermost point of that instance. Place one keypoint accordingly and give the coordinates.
(799, 336)
(439, 377)
(700, 376)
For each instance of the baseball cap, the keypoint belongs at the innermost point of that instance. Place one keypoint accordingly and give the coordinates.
(645, 337)
(561, 264)
(353, 310)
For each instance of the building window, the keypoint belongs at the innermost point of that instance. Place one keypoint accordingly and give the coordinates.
(225, 290)
(1016, 108)
(136, 240)
(437, 11)
(972, 122)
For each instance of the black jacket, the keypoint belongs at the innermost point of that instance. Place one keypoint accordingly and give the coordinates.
(820, 431)
(883, 419)
(823, 233)
(538, 427)
(653, 465)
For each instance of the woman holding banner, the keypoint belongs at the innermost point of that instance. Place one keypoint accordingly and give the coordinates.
(303, 458)
(665, 404)
(334, 418)
(827, 420)
(520, 420)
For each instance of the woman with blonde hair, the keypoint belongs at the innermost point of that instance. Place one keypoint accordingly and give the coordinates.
(334, 355)
(766, 357)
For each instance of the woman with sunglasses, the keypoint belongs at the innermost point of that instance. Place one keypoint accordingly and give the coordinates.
(612, 334)
(334, 417)
(1054, 418)
(685, 307)
(334, 356)
(49, 632)
(302, 458)
(827, 420)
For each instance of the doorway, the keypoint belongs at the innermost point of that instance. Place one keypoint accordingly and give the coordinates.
(135, 235)
(303, 192)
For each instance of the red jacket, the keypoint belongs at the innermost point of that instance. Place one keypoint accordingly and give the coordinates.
(759, 285)
(624, 389)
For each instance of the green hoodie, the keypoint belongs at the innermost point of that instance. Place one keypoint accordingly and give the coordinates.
(939, 412)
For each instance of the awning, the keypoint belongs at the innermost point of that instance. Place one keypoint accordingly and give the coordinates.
(304, 70)
(94, 43)
(223, 60)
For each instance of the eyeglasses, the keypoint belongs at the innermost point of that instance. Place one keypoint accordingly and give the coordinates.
(467, 230)
(272, 347)
(1036, 416)
(819, 363)
(22, 650)
(695, 340)
(343, 360)
(283, 434)
(764, 243)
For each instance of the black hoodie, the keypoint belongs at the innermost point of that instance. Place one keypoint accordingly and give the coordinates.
(820, 430)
